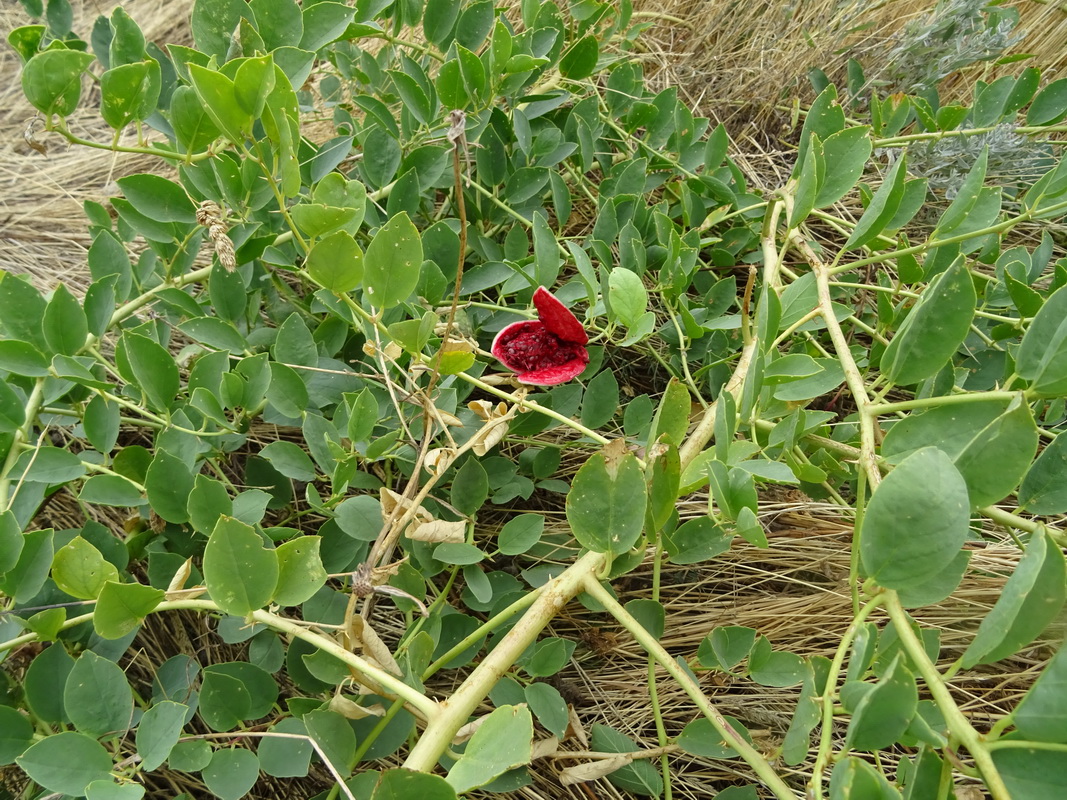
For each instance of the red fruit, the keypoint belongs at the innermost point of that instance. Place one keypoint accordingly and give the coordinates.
(545, 351)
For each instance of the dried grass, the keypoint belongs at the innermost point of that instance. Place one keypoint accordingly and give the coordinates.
(741, 63)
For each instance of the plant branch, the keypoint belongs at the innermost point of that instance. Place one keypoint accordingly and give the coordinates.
(751, 756)
(958, 724)
(453, 712)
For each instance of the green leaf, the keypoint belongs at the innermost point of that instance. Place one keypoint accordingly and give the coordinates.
(101, 423)
(253, 82)
(1050, 105)
(240, 573)
(121, 607)
(520, 533)
(934, 329)
(79, 570)
(21, 310)
(48, 465)
(290, 460)
(700, 738)
(991, 443)
(65, 326)
(153, 369)
(696, 540)
(1029, 601)
(295, 344)
(224, 701)
(459, 553)
(97, 696)
(168, 484)
(470, 487)
(158, 198)
(286, 757)
(1042, 356)
(52, 80)
(158, 732)
(882, 716)
(627, 296)
(219, 98)
(580, 60)
(300, 571)
(110, 490)
(1031, 773)
(129, 93)
(640, 777)
(232, 773)
(503, 741)
(111, 790)
(664, 477)
(42, 684)
(916, 522)
(940, 586)
(1042, 714)
(548, 705)
(845, 153)
(882, 208)
(725, 647)
(853, 779)
(450, 87)
(776, 668)
(336, 262)
(208, 502)
(392, 263)
(66, 762)
(672, 414)
(475, 22)
(601, 399)
(22, 358)
(16, 734)
(334, 735)
(11, 541)
(1044, 489)
(194, 128)
(824, 118)
(261, 688)
(966, 197)
(279, 22)
(606, 503)
(362, 415)
(403, 784)
(439, 20)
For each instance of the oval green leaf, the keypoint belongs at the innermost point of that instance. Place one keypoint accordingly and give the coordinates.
(916, 522)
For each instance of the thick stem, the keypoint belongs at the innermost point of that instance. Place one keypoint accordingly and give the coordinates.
(453, 713)
(853, 378)
(701, 435)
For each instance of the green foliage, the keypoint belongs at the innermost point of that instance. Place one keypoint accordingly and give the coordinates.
(310, 419)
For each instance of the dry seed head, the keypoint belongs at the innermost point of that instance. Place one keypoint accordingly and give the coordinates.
(210, 215)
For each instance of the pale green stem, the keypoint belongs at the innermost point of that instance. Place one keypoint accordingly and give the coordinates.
(918, 137)
(533, 406)
(822, 760)
(853, 378)
(454, 712)
(878, 409)
(22, 435)
(702, 434)
(958, 724)
(751, 756)
(422, 705)
(1007, 224)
